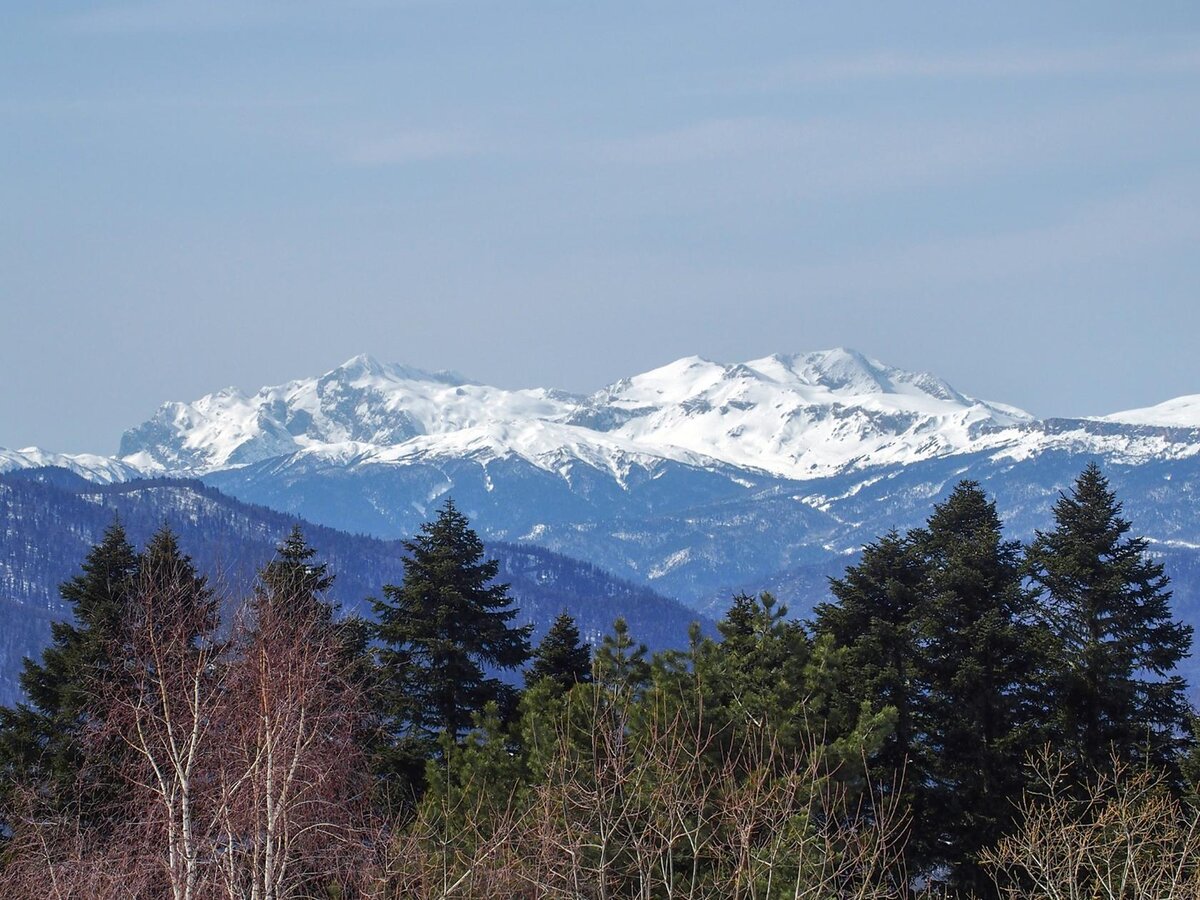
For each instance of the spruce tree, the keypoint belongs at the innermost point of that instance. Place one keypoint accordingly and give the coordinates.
(873, 619)
(168, 578)
(294, 582)
(40, 740)
(1117, 644)
(444, 630)
(982, 661)
(562, 656)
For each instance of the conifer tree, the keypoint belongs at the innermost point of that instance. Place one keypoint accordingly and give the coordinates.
(982, 659)
(562, 656)
(40, 740)
(1113, 683)
(767, 678)
(168, 575)
(620, 663)
(756, 672)
(444, 629)
(873, 619)
(294, 581)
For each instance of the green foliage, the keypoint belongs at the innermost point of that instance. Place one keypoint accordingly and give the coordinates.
(562, 656)
(442, 631)
(295, 583)
(1114, 694)
(620, 663)
(41, 741)
(982, 660)
(474, 785)
(168, 576)
(751, 764)
(939, 630)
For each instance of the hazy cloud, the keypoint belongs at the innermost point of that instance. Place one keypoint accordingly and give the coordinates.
(831, 155)
(1181, 56)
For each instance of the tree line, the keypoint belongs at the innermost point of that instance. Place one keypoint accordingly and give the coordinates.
(968, 714)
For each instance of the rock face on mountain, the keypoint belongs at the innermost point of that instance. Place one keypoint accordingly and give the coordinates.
(696, 478)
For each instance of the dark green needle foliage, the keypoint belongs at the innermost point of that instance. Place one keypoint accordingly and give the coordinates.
(168, 577)
(621, 662)
(982, 652)
(41, 740)
(445, 631)
(562, 657)
(874, 621)
(296, 583)
(1113, 687)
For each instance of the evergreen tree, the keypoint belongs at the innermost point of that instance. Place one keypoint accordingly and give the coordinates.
(756, 671)
(768, 678)
(443, 630)
(982, 658)
(1117, 643)
(873, 620)
(167, 575)
(40, 741)
(562, 656)
(620, 663)
(293, 581)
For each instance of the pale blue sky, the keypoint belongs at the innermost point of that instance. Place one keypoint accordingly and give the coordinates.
(195, 194)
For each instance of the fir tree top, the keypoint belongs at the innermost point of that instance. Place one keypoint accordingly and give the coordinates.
(444, 627)
(562, 656)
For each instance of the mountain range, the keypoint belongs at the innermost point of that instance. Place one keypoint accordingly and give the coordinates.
(695, 479)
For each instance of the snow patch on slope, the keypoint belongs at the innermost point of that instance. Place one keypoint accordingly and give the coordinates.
(100, 469)
(1181, 412)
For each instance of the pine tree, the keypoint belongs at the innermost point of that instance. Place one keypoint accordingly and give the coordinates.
(768, 678)
(620, 663)
(40, 741)
(756, 671)
(1117, 643)
(443, 630)
(561, 657)
(982, 659)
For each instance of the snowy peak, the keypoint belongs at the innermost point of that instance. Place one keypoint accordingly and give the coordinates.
(798, 416)
(364, 369)
(840, 371)
(361, 401)
(794, 416)
(1182, 412)
(99, 469)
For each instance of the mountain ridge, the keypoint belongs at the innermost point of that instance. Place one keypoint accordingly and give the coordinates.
(697, 478)
(795, 416)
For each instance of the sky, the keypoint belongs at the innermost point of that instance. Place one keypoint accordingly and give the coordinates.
(561, 194)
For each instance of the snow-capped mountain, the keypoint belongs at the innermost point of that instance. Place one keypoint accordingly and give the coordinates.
(100, 469)
(1182, 412)
(804, 416)
(796, 417)
(695, 478)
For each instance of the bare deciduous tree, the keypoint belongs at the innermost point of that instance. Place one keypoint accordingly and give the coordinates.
(1123, 837)
(244, 777)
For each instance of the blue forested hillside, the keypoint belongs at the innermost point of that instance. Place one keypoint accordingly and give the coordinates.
(49, 518)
